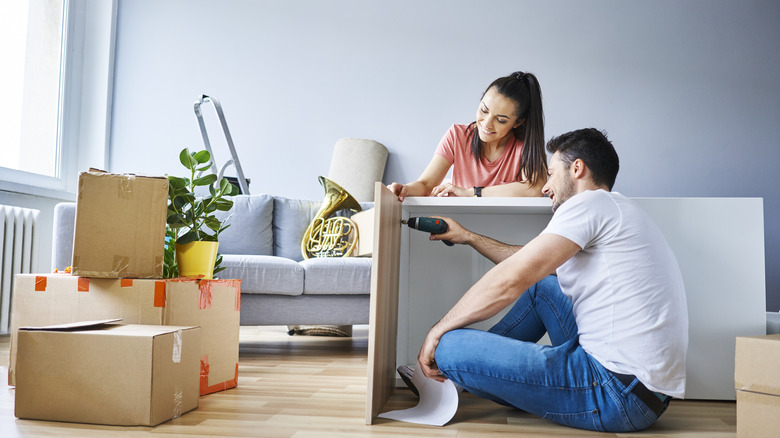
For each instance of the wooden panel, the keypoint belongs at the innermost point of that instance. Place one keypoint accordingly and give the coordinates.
(384, 301)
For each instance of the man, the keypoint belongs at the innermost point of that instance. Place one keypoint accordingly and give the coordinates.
(615, 313)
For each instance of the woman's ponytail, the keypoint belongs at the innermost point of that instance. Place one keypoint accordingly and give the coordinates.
(534, 160)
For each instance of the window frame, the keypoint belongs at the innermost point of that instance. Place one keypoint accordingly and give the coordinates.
(86, 88)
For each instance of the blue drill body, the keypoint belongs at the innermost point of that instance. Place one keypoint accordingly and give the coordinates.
(429, 225)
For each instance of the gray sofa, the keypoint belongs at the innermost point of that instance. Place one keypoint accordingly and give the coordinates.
(262, 248)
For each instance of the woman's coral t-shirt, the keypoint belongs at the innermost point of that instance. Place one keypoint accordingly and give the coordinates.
(467, 172)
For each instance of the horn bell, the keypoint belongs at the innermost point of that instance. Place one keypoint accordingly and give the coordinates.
(331, 237)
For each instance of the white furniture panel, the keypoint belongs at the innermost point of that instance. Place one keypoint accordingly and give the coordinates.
(719, 244)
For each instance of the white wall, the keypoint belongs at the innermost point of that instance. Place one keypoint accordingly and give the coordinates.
(686, 89)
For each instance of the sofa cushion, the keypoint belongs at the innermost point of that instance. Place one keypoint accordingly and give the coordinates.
(250, 230)
(264, 274)
(337, 276)
(291, 218)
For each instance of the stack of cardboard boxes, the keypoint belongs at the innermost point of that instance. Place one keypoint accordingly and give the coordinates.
(113, 342)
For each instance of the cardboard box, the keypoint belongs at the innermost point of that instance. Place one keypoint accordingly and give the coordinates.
(120, 226)
(758, 415)
(364, 220)
(126, 375)
(213, 305)
(757, 381)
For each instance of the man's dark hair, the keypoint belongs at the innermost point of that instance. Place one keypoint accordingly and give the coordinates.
(592, 147)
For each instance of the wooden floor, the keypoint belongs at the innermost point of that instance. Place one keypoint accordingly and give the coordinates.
(301, 386)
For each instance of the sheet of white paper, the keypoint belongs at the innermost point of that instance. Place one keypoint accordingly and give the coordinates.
(438, 402)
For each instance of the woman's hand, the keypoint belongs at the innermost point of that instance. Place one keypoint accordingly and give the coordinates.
(448, 189)
(432, 175)
(399, 190)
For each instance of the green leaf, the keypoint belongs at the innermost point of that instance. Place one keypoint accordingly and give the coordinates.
(206, 180)
(213, 223)
(175, 220)
(224, 186)
(211, 208)
(202, 157)
(170, 268)
(217, 263)
(186, 159)
(186, 238)
(174, 182)
(179, 202)
(224, 204)
(198, 211)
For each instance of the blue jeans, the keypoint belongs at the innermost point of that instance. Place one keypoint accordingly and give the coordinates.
(559, 382)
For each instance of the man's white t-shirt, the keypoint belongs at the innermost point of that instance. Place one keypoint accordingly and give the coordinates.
(626, 288)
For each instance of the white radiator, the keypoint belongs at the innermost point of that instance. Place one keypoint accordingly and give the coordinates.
(17, 236)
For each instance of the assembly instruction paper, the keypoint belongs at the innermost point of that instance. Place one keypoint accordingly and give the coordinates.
(438, 402)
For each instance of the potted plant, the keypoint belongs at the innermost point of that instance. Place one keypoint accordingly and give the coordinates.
(192, 225)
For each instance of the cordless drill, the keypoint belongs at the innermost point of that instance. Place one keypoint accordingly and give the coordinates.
(429, 225)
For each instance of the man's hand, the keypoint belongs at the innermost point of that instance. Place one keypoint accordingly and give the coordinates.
(427, 356)
(455, 233)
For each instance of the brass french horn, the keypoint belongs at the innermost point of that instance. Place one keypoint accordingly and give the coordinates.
(331, 236)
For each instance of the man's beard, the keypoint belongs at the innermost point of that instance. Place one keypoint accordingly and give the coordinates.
(568, 192)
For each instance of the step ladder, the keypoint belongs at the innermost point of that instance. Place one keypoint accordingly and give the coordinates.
(243, 183)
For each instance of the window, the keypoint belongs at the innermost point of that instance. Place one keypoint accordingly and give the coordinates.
(31, 46)
(60, 67)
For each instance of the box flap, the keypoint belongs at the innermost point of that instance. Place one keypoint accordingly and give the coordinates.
(79, 325)
(93, 170)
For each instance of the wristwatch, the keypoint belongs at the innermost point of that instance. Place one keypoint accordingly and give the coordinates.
(478, 192)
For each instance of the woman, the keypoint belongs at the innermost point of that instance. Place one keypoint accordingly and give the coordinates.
(501, 153)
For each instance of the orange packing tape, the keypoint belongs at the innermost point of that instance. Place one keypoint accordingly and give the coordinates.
(204, 379)
(126, 282)
(83, 284)
(159, 293)
(40, 284)
(205, 294)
